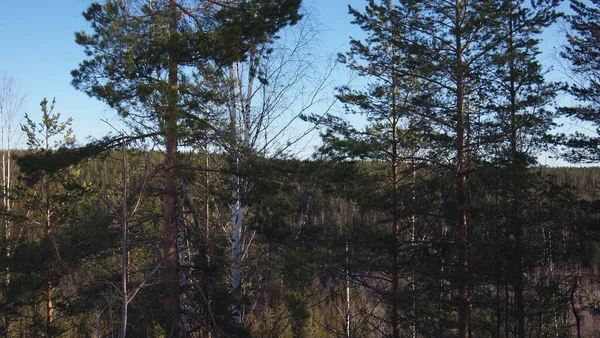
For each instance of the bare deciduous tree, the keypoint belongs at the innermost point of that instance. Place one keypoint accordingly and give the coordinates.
(268, 93)
(12, 101)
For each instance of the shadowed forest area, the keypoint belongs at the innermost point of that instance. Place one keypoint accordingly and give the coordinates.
(431, 217)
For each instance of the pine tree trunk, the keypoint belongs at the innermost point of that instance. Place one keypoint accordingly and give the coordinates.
(207, 251)
(124, 252)
(49, 287)
(396, 242)
(170, 256)
(395, 198)
(517, 226)
(516, 177)
(461, 181)
(206, 209)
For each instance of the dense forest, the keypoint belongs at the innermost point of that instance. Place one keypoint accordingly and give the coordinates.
(423, 213)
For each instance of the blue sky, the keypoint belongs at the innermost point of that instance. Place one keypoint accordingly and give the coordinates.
(38, 50)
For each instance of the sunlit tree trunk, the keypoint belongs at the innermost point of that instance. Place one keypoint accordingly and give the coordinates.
(347, 313)
(237, 211)
(241, 93)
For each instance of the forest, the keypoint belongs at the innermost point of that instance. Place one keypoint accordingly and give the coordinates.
(423, 212)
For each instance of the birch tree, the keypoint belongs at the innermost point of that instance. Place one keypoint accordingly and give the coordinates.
(11, 108)
(268, 93)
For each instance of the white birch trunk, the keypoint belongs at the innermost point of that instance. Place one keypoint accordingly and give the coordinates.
(246, 128)
(11, 103)
(240, 109)
(347, 319)
(237, 214)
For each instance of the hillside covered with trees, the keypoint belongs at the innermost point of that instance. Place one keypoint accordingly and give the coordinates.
(431, 217)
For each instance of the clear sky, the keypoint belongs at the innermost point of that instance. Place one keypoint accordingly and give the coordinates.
(39, 52)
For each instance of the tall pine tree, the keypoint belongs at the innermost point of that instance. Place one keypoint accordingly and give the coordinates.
(517, 126)
(583, 52)
(456, 37)
(153, 62)
(393, 128)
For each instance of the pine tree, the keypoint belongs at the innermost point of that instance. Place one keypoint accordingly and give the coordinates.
(50, 201)
(394, 123)
(155, 63)
(583, 52)
(455, 38)
(518, 124)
